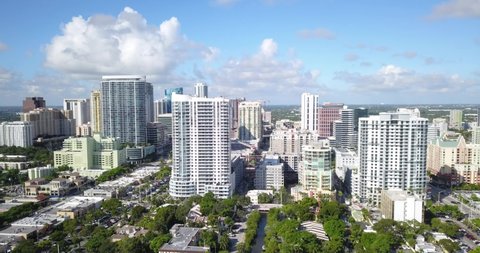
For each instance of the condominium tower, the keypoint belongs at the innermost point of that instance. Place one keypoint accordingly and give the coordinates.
(201, 90)
(309, 113)
(200, 146)
(126, 105)
(250, 121)
(455, 119)
(392, 149)
(31, 103)
(96, 111)
(16, 133)
(80, 108)
(327, 114)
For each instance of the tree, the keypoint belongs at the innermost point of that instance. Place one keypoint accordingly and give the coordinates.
(207, 204)
(137, 212)
(69, 226)
(335, 229)
(241, 247)
(132, 245)
(100, 241)
(112, 206)
(331, 210)
(449, 245)
(333, 246)
(209, 238)
(158, 241)
(224, 242)
(265, 198)
(25, 246)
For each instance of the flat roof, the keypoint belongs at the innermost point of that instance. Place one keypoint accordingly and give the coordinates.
(77, 202)
(181, 240)
(315, 228)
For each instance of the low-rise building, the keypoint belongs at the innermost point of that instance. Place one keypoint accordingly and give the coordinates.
(100, 192)
(40, 172)
(401, 206)
(77, 206)
(253, 195)
(184, 239)
(128, 231)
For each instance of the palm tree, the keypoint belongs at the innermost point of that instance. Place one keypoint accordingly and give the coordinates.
(224, 242)
(241, 247)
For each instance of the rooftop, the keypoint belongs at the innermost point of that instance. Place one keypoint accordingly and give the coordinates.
(77, 202)
(315, 228)
(181, 240)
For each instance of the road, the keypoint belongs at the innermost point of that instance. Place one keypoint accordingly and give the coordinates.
(467, 241)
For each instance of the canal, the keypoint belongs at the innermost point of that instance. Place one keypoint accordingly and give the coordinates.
(259, 240)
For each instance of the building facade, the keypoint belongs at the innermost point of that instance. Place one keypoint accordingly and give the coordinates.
(201, 90)
(126, 106)
(31, 103)
(398, 205)
(456, 119)
(50, 122)
(315, 174)
(327, 114)
(269, 174)
(344, 130)
(96, 111)
(201, 146)
(392, 148)
(16, 133)
(309, 112)
(250, 121)
(80, 109)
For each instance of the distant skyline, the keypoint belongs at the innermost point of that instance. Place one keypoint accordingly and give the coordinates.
(360, 52)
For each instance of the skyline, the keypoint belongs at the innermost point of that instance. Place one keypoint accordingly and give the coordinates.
(355, 53)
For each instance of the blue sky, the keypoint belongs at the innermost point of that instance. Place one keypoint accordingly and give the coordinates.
(273, 50)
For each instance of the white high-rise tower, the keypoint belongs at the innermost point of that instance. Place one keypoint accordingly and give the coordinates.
(80, 108)
(201, 90)
(309, 112)
(392, 149)
(200, 146)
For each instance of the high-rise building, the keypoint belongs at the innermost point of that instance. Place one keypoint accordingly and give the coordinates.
(31, 103)
(80, 109)
(50, 122)
(149, 111)
(270, 174)
(167, 100)
(309, 112)
(156, 134)
(392, 149)
(478, 116)
(359, 113)
(125, 102)
(234, 112)
(96, 111)
(456, 119)
(476, 135)
(16, 133)
(345, 136)
(201, 90)
(327, 114)
(160, 106)
(315, 174)
(250, 121)
(200, 146)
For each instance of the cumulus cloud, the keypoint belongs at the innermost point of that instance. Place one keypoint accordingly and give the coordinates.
(103, 44)
(456, 9)
(264, 73)
(391, 78)
(318, 33)
(351, 57)
(3, 46)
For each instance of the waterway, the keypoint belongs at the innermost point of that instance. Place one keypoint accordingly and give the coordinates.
(259, 240)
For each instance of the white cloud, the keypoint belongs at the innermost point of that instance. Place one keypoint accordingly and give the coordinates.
(263, 73)
(408, 54)
(351, 57)
(391, 79)
(127, 44)
(3, 46)
(456, 9)
(318, 33)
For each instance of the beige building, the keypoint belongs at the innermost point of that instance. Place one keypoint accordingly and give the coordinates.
(315, 174)
(50, 122)
(398, 205)
(456, 119)
(91, 156)
(96, 111)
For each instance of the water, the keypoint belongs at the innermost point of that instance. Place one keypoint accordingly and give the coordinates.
(257, 247)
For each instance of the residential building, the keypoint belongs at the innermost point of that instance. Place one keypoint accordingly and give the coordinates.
(160, 106)
(309, 112)
(392, 148)
(270, 174)
(327, 114)
(346, 165)
(127, 106)
(200, 146)
(288, 143)
(345, 136)
(80, 109)
(166, 120)
(31, 103)
(253, 195)
(50, 122)
(235, 115)
(91, 156)
(358, 113)
(398, 205)
(315, 174)
(184, 239)
(456, 119)
(16, 133)
(84, 130)
(156, 135)
(201, 90)
(96, 111)
(250, 121)
(476, 135)
(40, 172)
(167, 102)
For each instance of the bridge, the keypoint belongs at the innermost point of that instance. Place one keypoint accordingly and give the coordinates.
(264, 208)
